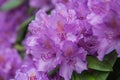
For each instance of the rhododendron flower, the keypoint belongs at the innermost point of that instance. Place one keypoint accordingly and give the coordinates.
(10, 61)
(80, 7)
(98, 9)
(9, 24)
(28, 70)
(74, 58)
(29, 73)
(108, 33)
(59, 39)
(53, 41)
(108, 30)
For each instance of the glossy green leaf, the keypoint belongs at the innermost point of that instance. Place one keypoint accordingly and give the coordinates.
(83, 76)
(11, 4)
(95, 75)
(105, 65)
(94, 63)
(100, 75)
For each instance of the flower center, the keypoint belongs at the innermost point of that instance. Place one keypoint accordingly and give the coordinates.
(32, 77)
(60, 31)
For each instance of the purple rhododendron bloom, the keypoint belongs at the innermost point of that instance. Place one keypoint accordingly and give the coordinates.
(80, 7)
(107, 30)
(30, 73)
(9, 24)
(59, 39)
(53, 41)
(74, 58)
(89, 42)
(98, 9)
(10, 61)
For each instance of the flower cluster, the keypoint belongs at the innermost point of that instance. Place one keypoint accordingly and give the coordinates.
(10, 61)
(28, 71)
(59, 39)
(9, 24)
(107, 26)
(10, 21)
(73, 30)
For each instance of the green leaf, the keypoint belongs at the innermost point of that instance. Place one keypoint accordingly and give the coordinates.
(23, 30)
(95, 75)
(105, 65)
(24, 24)
(100, 75)
(11, 4)
(94, 63)
(83, 76)
(20, 48)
